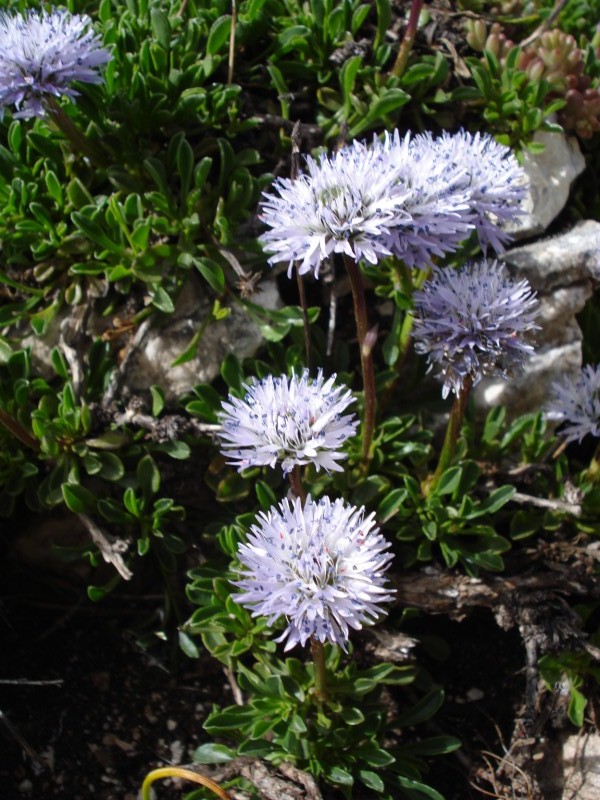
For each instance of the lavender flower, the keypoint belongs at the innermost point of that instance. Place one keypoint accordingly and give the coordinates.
(576, 401)
(293, 420)
(435, 200)
(490, 175)
(41, 53)
(413, 198)
(320, 566)
(470, 322)
(342, 205)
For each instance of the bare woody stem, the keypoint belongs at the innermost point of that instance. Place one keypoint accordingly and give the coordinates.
(366, 356)
(317, 650)
(79, 142)
(295, 168)
(408, 39)
(296, 483)
(457, 415)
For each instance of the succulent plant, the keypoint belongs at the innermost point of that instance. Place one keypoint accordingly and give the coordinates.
(556, 58)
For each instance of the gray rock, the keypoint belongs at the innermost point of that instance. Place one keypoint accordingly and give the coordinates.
(152, 360)
(550, 175)
(581, 766)
(559, 260)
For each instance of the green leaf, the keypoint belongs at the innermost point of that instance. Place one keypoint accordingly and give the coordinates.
(265, 495)
(212, 753)
(112, 468)
(148, 476)
(449, 480)
(161, 300)
(423, 710)
(185, 166)
(54, 188)
(374, 755)
(78, 499)
(391, 504)
(352, 716)
(161, 27)
(576, 708)
(131, 502)
(494, 502)
(348, 76)
(341, 776)
(190, 648)
(371, 780)
(212, 273)
(158, 400)
(94, 232)
(218, 34)
(231, 372)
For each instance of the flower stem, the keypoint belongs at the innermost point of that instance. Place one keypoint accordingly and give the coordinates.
(79, 142)
(317, 650)
(294, 170)
(457, 415)
(409, 38)
(296, 483)
(18, 431)
(180, 772)
(366, 357)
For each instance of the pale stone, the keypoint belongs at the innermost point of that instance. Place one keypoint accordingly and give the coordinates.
(581, 767)
(152, 362)
(559, 260)
(550, 175)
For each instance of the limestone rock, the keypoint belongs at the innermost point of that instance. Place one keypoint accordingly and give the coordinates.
(152, 361)
(550, 174)
(581, 765)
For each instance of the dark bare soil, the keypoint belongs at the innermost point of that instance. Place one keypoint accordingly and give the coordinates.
(87, 712)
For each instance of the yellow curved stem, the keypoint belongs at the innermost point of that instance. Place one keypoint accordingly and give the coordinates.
(186, 774)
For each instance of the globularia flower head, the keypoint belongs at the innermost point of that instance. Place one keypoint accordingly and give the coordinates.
(492, 178)
(41, 53)
(320, 566)
(413, 198)
(470, 322)
(435, 215)
(343, 204)
(576, 401)
(294, 420)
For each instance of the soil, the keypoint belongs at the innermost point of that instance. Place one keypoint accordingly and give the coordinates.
(87, 711)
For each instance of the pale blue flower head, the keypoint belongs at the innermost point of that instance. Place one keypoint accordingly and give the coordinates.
(472, 322)
(294, 421)
(41, 54)
(342, 204)
(320, 566)
(435, 206)
(576, 402)
(488, 175)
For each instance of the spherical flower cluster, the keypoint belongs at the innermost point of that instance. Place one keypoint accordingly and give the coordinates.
(576, 401)
(343, 204)
(320, 566)
(493, 179)
(434, 219)
(470, 323)
(41, 53)
(292, 420)
(415, 198)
